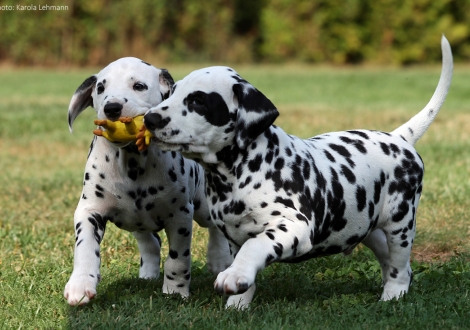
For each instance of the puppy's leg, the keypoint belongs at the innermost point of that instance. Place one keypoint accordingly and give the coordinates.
(240, 301)
(89, 231)
(377, 242)
(280, 240)
(149, 247)
(218, 252)
(400, 237)
(177, 269)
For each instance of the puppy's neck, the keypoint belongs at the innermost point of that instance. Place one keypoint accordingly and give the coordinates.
(228, 162)
(129, 161)
(231, 159)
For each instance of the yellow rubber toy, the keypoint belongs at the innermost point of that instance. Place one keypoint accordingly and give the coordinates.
(125, 129)
(143, 138)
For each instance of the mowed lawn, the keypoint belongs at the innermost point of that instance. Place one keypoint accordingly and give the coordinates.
(41, 166)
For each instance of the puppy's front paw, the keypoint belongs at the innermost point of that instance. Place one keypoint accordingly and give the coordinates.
(232, 281)
(392, 291)
(171, 288)
(80, 289)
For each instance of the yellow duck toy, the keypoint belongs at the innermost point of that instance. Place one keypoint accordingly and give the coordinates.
(125, 129)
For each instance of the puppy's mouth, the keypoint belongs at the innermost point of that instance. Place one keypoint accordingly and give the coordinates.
(170, 146)
(189, 150)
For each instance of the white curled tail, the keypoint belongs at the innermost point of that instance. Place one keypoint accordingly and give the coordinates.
(414, 128)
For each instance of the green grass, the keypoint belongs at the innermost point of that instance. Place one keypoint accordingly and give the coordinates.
(41, 173)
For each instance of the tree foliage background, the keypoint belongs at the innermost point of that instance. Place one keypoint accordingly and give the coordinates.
(312, 31)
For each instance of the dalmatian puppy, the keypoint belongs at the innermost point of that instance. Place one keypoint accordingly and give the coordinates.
(278, 198)
(141, 192)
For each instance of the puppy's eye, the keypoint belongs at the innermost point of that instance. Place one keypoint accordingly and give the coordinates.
(100, 88)
(196, 102)
(140, 87)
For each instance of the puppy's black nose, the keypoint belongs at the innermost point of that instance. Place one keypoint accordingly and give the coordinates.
(113, 110)
(155, 121)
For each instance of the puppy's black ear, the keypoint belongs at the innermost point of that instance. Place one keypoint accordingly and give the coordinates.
(81, 99)
(255, 113)
(166, 83)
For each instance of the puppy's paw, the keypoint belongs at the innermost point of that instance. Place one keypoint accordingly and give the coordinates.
(181, 289)
(80, 289)
(150, 271)
(393, 291)
(232, 281)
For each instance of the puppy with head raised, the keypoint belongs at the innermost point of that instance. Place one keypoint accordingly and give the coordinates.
(141, 192)
(280, 198)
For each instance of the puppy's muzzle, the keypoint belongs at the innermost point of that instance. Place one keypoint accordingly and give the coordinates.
(113, 110)
(155, 121)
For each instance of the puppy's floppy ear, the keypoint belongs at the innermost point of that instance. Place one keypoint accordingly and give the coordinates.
(81, 99)
(166, 83)
(255, 114)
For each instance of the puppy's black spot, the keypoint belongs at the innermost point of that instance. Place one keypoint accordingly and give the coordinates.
(149, 206)
(348, 174)
(340, 150)
(209, 105)
(172, 175)
(184, 232)
(255, 164)
(361, 198)
(361, 134)
(173, 254)
(385, 148)
(329, 156)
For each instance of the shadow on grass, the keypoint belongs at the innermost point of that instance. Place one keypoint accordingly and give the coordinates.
(331, 292)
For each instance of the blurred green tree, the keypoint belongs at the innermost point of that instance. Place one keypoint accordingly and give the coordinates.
(334, 31)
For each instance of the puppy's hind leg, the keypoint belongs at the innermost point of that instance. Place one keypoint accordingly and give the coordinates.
(218, 252)
(149, 248)
(400, 239)
(377, 242)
